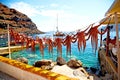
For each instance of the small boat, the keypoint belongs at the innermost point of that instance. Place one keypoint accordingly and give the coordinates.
(58, 33)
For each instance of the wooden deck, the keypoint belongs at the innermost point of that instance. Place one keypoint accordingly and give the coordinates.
(4, 76)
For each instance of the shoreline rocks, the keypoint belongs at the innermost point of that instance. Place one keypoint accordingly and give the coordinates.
(60, 61)
(44, 64)
(73, 63)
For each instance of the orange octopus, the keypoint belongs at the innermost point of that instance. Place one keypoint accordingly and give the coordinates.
(81, 40)
(41, 46)
(67, 42)
(28, 40)
(80, 37)
(22, 39)
(93, 33)
(49, 42)
(58, 44)
(32, 45)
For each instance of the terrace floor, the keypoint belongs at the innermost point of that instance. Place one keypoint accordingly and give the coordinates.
(4, 76)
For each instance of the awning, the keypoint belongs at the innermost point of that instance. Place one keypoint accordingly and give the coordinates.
(114, 8)
(112, 21)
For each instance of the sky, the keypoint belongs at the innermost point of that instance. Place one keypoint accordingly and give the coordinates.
(72, 14)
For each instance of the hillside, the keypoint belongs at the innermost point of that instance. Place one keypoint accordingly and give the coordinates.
(17, 20)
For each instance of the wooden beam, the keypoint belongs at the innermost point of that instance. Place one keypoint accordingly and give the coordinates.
(117, 43)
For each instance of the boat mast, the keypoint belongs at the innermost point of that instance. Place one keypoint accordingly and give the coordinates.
(57, 23)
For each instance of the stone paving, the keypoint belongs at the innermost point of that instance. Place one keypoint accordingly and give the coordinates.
(4, 76)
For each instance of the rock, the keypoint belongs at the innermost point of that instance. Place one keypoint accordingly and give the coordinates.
(41, 63)
(60, 61)
(23, 60)
(93, 70)
(101, 73)
(73, 63)
(17, 20)
(44, 64)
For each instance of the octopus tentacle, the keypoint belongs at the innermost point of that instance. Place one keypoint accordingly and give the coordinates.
(41, 46)
(67, 43)
(33, 45)
(58, 44)
(22, 39)
(81, 40)
(93, 33)
(28, 40)
(49, 42)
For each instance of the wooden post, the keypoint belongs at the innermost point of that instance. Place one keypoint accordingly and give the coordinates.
(117, 43)
(9, 41)
(101, 38)
(107, 40)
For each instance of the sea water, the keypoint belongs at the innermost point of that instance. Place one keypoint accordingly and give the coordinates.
(89, 58)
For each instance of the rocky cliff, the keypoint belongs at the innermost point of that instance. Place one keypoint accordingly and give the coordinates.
(17, 20)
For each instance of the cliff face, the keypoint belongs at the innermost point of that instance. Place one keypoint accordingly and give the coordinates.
(17, 20)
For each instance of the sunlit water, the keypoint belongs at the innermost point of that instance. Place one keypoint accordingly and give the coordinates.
(89, 58)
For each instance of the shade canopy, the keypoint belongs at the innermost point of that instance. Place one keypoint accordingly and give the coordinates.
(114, 8)
(112, 20)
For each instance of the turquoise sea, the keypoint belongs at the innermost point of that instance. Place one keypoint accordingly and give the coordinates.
(89, 58)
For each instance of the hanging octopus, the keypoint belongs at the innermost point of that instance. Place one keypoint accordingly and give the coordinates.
(28, 40)
(49, 42)
(93, 33)
(11, 33)
(80, 37)
(67, 42)
(41, 46)
(12, 37)
(81, 40)
(22, 39)
(33, 45)
(16, 37)
(58, 44)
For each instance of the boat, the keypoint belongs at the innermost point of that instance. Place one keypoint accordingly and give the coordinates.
(58, 33)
